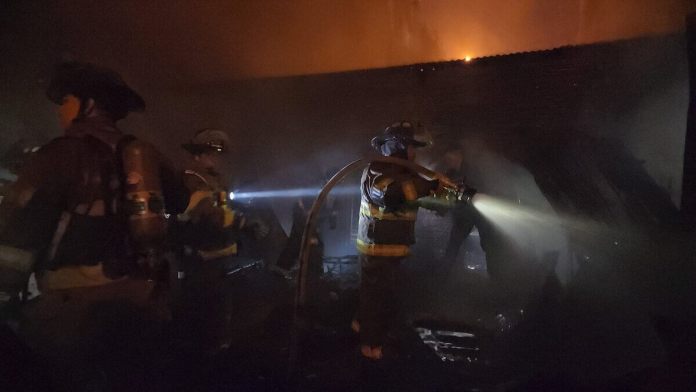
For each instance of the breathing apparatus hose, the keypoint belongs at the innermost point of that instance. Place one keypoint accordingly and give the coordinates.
(301, 289)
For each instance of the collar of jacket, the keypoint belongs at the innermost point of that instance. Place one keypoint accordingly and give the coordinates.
(99, 127)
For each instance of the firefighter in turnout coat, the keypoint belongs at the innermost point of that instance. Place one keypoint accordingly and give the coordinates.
(386, 230)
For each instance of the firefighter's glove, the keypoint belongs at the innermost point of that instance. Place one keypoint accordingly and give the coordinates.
(444, 182)
(446, 190)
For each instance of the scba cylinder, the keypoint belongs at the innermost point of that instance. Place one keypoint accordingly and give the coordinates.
(143, 204)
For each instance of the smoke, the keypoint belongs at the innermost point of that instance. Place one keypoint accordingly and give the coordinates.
(511, 201)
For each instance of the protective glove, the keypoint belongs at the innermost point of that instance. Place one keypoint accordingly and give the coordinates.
(444, 182)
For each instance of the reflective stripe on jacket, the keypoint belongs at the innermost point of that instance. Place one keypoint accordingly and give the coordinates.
(209, 226)
(388, 209)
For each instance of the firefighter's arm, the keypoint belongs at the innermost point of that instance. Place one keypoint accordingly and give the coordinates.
(409, 190)
(201, 208)
(447, 195)
(204, 208)
(51, 164)
(393, 192)
(44, 170)
(418, 191)
(425, 187)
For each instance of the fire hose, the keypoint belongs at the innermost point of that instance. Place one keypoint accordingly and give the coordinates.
(301, 290)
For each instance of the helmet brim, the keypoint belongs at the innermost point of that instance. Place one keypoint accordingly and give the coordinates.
(89, 81)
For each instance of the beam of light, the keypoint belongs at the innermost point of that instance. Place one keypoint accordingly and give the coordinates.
(515, 219)
(520, 222)
(344, 190)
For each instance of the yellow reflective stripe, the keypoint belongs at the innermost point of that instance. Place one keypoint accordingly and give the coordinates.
(371, 211)
(383, 250)
(196, 198)
(215, 254)
(409, 189)
(228, 219)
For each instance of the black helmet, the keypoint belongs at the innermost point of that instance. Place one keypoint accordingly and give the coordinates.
(208, 139)
(402, 131)
(396, 139)
(104, 86)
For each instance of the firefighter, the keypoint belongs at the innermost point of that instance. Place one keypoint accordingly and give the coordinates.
(208, 232)
(62, 210)
(386, 230)
(213, 224)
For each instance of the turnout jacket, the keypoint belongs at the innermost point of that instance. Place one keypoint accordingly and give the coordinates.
(72, 186)
(388, 208)
(209, 227)
(76, 174)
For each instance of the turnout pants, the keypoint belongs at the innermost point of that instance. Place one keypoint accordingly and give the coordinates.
(203, 309)
(378, 300)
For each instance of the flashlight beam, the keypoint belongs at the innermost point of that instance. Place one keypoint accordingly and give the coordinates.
(294, 192)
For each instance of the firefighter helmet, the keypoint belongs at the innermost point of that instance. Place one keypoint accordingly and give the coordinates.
(402, 132)
(396, 139)
(104, 86)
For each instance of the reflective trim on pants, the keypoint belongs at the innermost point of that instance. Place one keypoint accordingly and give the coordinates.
(382, 250)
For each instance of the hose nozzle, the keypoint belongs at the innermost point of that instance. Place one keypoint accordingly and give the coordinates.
(457, 193)
(466, 194)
